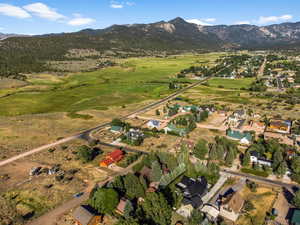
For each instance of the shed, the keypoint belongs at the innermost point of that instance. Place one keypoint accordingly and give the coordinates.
(84, 215)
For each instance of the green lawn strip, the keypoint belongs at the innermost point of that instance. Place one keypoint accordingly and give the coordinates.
(255, 172)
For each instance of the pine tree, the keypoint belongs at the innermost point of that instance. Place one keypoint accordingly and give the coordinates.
(246, 159)
(200, 149)
(156, 171)
(133, 186)
(157, 209)
(282, 168)
(277, 159)
(213, 153)
(230, 157)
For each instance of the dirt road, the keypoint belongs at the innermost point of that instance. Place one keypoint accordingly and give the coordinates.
(261, 70)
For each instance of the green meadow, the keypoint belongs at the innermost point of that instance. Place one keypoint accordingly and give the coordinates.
(133, 80)
(231, 83)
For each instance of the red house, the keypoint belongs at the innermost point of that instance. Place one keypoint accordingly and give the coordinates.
(112, 157)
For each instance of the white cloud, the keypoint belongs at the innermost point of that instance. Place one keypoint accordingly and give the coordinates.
(43, 11)
(80, 21)
(210, 20)
(199, 22)
(14, 11)
(242, 22)
(116, 5)
(273, 19)
(1, 28)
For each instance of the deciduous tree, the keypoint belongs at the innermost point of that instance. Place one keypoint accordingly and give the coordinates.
(104, 200)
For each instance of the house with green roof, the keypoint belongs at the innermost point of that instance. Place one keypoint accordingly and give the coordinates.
(116, 129)
(296, 217)
(243, 137)
(172, 128)
(189, 108)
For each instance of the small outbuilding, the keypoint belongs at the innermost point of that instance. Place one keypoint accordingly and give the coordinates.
(85, 215)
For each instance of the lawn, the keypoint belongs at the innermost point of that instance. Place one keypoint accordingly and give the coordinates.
(209, 94)
(134, 80)
(231, 83)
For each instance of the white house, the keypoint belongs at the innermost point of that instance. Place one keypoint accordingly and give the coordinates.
(185, 211)
(153, 124)
(211, 212)
(245, 141)
(255, 158)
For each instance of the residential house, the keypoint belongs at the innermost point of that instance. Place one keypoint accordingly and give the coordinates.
(174, 109)
(185, 210)
(171, 128)
(153, 124)
(296, 217)
(231, 206)
(244, 138)
(189, 108)
(84, 215)
(153, 187)
(232, 121)
(211, 212)
(241, 114)
(134, 134)
(122, 206)
(193, 190)
(116, 129)
(112, 157)
(280, 126)
(255, 157)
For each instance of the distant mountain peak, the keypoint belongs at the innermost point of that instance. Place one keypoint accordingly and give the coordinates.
(177, 20)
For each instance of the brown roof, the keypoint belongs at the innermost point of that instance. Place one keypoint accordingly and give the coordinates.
(146, 172)
(235, 201)
(83, 215)
(121, 206)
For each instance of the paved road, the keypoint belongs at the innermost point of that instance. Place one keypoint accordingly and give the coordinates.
(262, 179)
(86, 134)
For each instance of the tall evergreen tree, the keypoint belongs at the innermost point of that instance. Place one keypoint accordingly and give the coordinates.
(156, 171)
(246, 159)
(157, 209)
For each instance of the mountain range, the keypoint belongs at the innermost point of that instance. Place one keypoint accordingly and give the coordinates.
(26, 54)
(176, 34)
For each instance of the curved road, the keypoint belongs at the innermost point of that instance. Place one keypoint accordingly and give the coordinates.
(86, 134)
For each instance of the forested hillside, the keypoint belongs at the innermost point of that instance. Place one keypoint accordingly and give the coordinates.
(30, 54)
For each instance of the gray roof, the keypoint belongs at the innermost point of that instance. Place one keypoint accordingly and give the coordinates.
(82, 215)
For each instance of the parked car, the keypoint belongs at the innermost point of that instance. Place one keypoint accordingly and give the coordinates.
(78, 195)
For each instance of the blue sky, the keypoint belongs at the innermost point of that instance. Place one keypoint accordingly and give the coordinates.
(53, 16)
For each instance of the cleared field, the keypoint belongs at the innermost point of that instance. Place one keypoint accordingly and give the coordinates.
(11, 83)
(262, 200)
(134, 80)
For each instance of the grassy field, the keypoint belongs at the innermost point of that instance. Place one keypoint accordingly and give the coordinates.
(134, 80)
(262, 200)
(231, 84)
